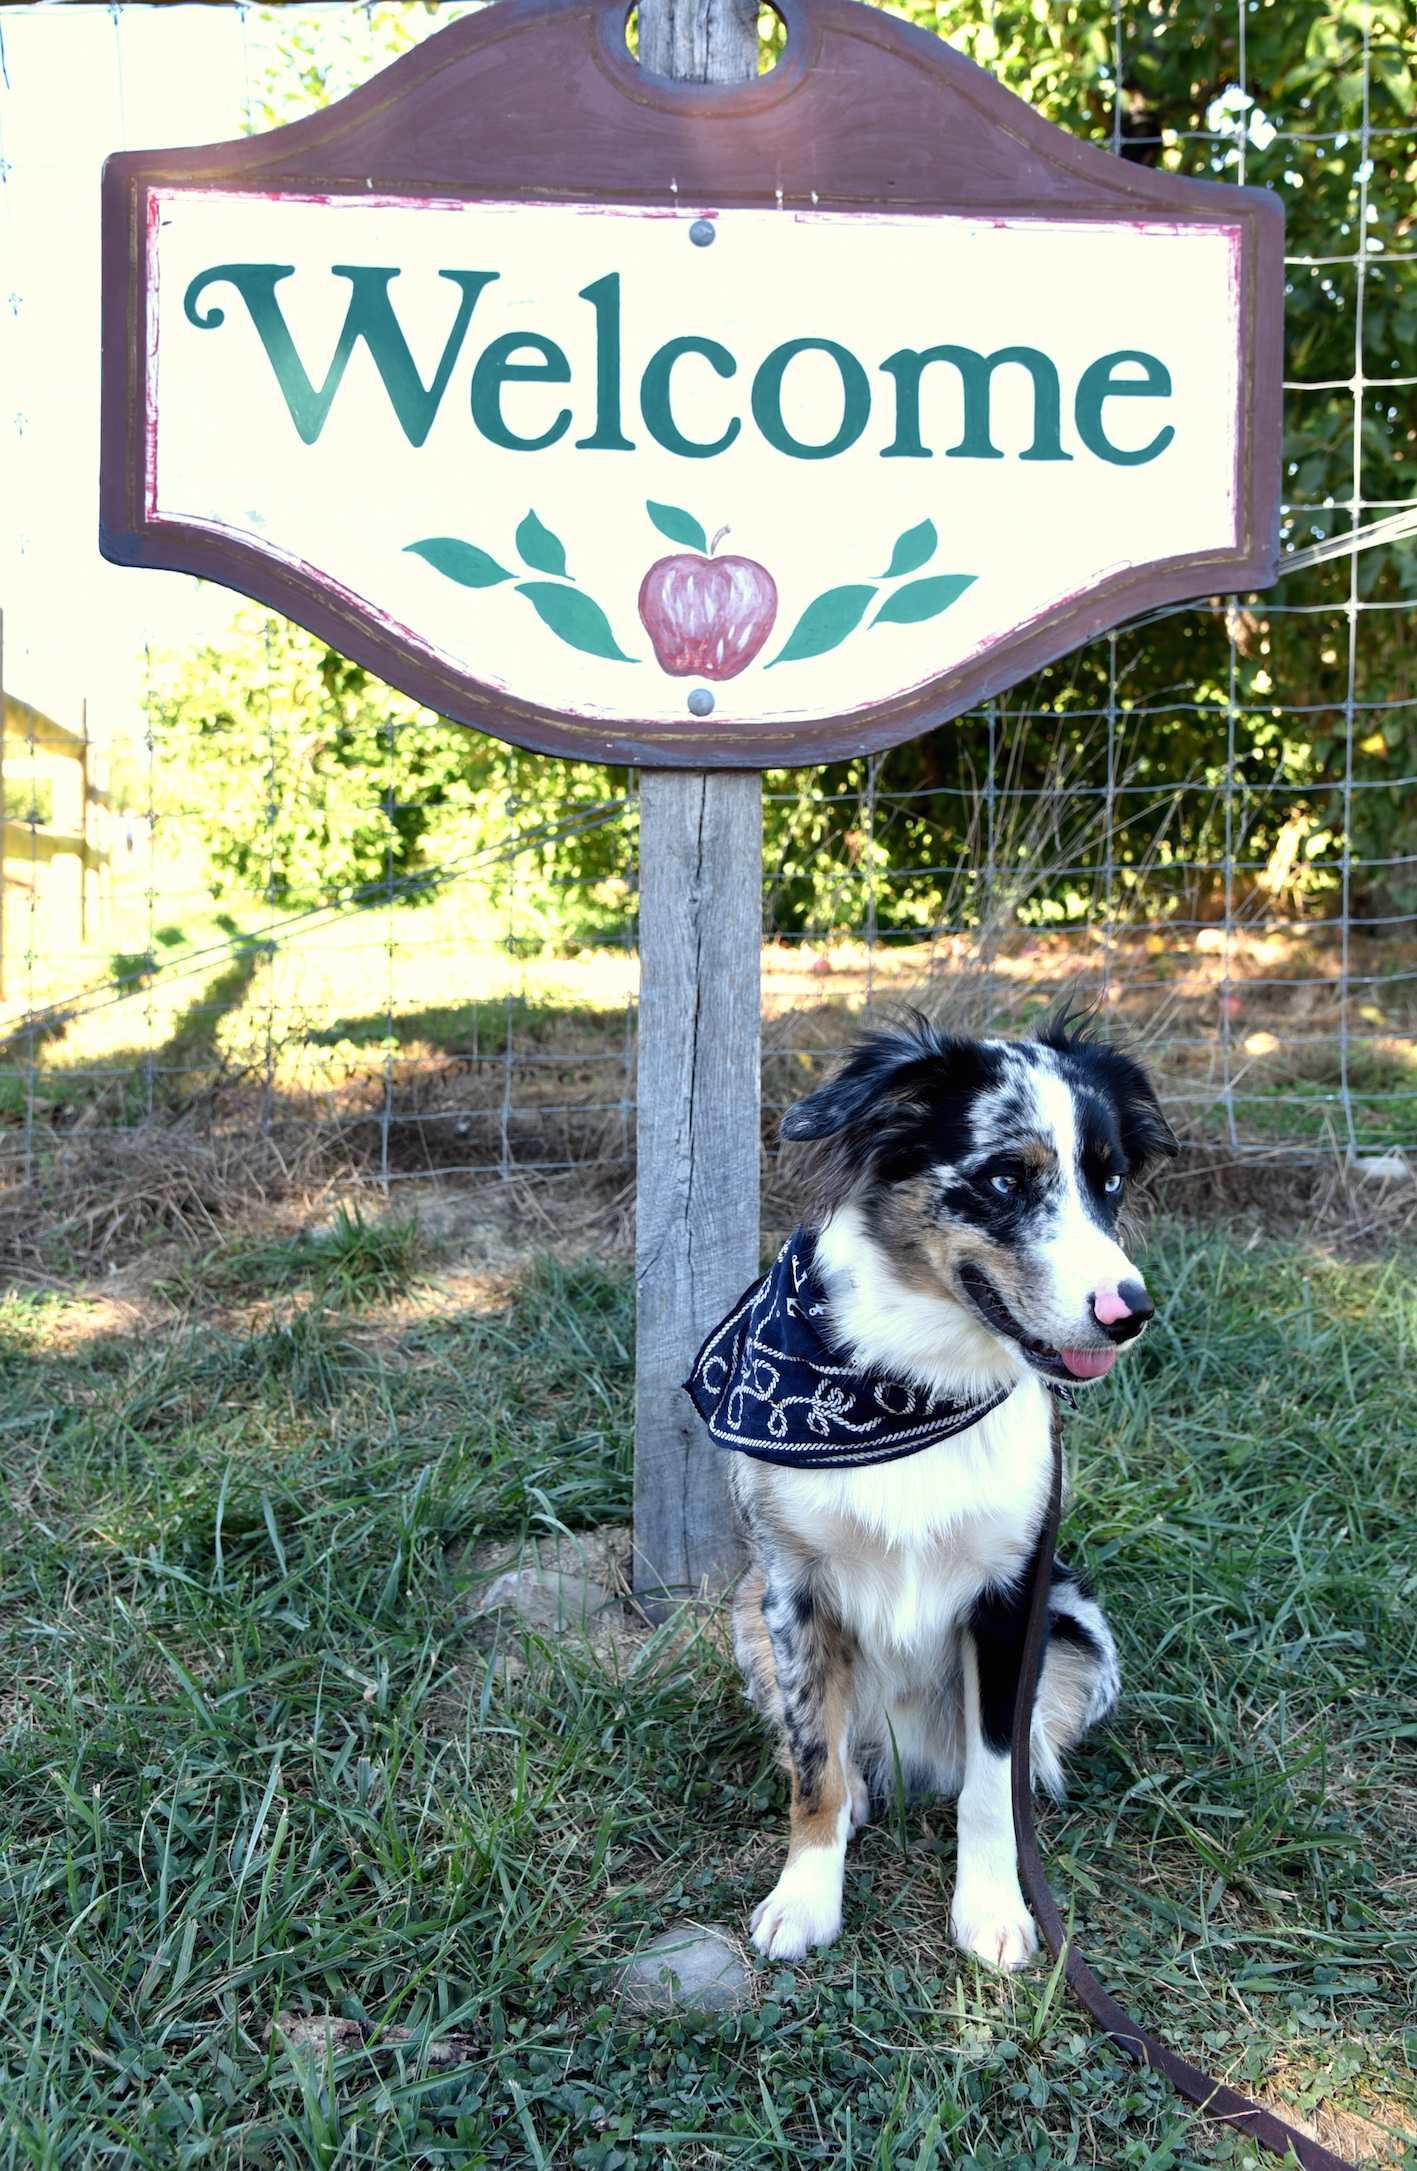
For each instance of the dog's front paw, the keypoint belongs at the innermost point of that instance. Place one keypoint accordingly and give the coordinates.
(803, 1908)
(994, 1925)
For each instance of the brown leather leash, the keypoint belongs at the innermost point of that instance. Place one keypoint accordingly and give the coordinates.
(1210, 2096)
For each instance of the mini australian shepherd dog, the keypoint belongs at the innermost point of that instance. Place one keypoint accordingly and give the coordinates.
(965, 1203)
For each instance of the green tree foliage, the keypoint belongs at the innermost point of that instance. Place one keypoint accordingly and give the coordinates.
(302, 779)
(300, 62)
(1319, 107)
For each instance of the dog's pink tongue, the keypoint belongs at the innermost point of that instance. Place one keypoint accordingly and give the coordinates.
(1088, 1363)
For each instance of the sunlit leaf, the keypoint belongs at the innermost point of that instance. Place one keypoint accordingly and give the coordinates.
(679, 526)
(922, 599)
(540, 548)
(462, 562)
(825, 623)
(912, 550)
(573, 618)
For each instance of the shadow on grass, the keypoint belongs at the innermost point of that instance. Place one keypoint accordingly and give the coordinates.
(130, 1084)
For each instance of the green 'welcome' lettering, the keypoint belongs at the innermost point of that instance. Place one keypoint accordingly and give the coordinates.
(767, 399)
(370, 317)
(1100, 383)
(977, 378)
(655, 397)
(496, 368)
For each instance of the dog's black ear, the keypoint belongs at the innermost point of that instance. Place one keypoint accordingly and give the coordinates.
(834, 1107)
(821, 1115)
(874, 1070)
(879, 1118)
(1147, 1137)
(1146, 1134)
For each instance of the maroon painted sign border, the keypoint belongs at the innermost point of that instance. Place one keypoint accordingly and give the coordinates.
(544, 103)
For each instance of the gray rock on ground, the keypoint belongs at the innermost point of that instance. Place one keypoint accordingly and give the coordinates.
(545, 1598)
(688, 1967)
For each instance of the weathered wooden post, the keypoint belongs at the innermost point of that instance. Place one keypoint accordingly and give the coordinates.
(700, 41)
(696, 1241)
(696, 1245)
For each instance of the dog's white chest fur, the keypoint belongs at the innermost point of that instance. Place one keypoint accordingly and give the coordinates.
(906, 1546)
(910, 1543)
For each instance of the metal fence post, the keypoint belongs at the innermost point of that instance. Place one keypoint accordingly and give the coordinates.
(700, 937)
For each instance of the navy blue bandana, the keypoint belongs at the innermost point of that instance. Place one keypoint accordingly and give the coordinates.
(767, 1383)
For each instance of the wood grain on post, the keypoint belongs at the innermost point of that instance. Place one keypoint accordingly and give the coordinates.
(701, 856)
(700, 41)
(697, 1213)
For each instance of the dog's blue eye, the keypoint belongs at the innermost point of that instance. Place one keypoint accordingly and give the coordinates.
(1004, 1184)
(1113, 1185)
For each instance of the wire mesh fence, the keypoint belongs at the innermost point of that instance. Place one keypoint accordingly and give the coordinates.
(300, 927)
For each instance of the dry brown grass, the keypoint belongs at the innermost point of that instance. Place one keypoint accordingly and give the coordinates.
(1247, 1031)
(96, 1203)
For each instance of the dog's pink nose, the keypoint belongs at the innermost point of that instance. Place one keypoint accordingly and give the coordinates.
(1122, 1309)
(1108, 1306)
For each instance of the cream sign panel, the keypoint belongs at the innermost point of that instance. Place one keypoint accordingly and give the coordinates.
(761, 465)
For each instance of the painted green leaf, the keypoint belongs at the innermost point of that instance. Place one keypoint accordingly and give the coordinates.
(825, 623)
(679, 526)
(912, 550)
(573, 618)
(922, 599)
(541, 549)
(462, 562)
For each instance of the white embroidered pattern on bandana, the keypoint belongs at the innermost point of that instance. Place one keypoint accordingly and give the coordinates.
(767, 1383)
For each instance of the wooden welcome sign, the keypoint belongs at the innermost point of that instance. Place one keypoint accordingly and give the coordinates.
(689, 427)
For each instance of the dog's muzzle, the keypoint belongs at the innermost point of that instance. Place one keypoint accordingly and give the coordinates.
(1120, 1313)
(999, 1319)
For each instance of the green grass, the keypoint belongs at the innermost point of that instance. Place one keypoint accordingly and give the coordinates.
(256, 1758)
(1299, 1102)
(355, 1259)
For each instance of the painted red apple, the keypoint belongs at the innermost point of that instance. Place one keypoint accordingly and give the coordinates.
(707, 617)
